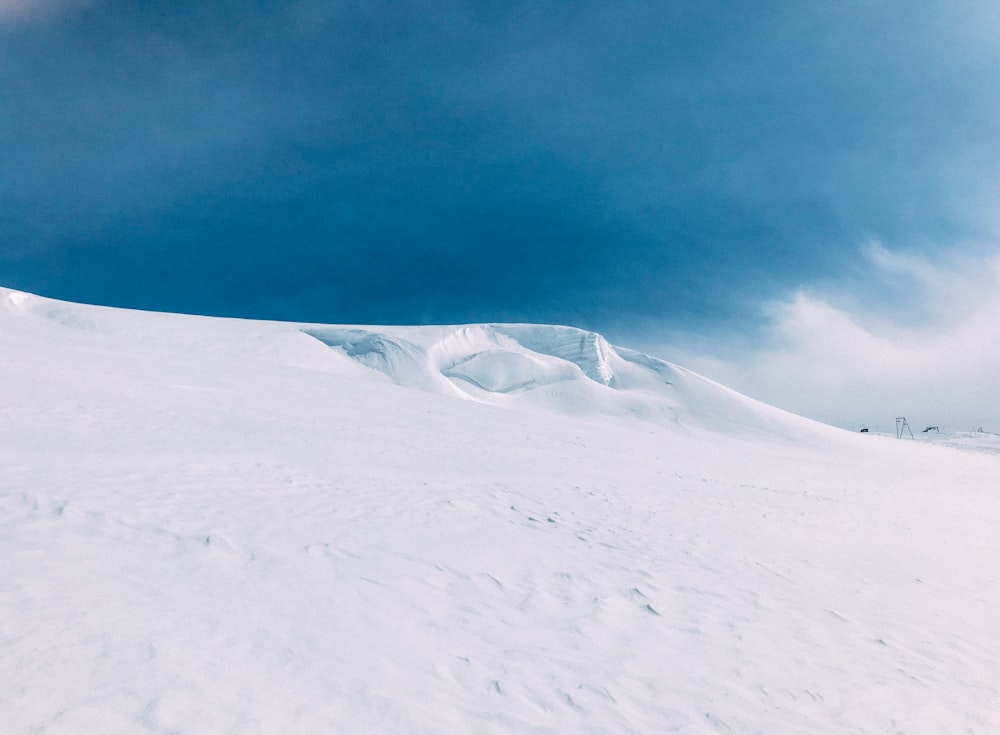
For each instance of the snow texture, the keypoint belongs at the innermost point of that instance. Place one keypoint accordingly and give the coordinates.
(228, 526)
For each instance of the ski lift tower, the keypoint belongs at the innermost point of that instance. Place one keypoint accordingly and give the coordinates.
(902, 426)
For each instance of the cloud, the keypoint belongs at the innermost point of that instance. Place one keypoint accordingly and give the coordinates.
(917, 337)
(394, 161)
(29, 10)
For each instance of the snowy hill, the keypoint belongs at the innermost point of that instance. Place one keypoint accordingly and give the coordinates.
(562, 369)
(553, 369)
(228, 526)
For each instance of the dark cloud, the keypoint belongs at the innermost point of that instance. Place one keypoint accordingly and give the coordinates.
(591, 163)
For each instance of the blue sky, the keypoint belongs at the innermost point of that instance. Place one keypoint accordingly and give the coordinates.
(675, 174)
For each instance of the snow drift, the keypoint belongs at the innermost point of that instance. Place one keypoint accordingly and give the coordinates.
(227, 526)
(563, 369)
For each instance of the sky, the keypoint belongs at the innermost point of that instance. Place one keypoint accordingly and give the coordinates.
(797, 199)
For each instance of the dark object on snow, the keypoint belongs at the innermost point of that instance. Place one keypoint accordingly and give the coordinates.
(901, 426)
(864, 431)
(932, 428)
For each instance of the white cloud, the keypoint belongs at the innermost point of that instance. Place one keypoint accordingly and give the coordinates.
(915, 338)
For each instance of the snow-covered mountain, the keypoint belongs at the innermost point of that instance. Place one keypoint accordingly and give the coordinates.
(219, 525)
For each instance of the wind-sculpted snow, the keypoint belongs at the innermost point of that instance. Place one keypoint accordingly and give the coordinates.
(562, 369)
(529, 355)
(224, 526)
(403, 362)
(587, 350)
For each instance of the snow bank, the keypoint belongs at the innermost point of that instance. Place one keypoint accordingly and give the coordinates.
(554, 368)
(225, 526)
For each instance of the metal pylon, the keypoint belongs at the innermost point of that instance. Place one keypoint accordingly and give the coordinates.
(902, 426)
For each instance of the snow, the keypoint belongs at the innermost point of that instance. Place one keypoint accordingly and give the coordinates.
(227, 526)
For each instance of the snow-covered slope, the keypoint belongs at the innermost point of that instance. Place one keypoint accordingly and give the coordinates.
(560, 369)
(226, 526)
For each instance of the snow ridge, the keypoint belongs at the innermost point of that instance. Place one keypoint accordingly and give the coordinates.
(554, 368)
(537, 368)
